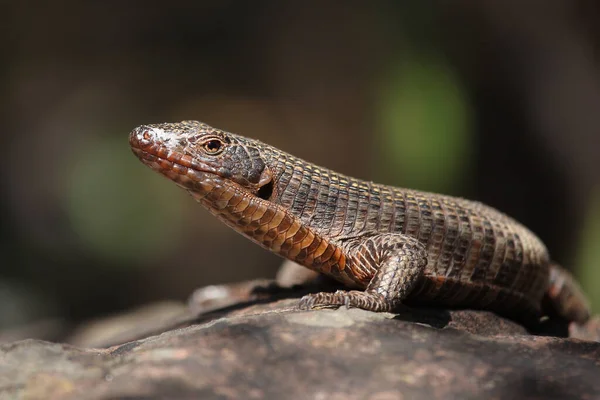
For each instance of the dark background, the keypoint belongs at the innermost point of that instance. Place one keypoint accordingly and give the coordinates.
(495, 101)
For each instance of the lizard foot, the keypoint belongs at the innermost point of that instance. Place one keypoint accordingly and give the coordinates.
(354, 298)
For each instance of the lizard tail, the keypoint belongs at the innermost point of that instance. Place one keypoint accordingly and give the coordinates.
(565, 297)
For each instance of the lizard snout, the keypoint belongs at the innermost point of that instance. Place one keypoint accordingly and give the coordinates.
(142, 137)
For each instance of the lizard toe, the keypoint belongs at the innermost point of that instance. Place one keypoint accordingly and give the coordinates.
(349, 299)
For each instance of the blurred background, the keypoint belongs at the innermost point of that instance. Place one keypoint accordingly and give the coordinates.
(494, 101)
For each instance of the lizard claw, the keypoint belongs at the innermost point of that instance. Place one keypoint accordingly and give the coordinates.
(313, 301)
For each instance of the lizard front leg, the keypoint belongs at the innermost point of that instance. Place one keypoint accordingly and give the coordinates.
(399, 262)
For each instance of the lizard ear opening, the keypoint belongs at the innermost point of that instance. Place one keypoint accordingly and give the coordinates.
(265, 185)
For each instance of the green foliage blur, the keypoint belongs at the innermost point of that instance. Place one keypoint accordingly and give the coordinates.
(588, 260)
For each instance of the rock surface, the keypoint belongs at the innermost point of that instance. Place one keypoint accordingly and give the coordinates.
(269, 349)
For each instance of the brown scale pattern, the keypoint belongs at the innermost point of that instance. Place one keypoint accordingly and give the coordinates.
(350, 229)
(467, 242)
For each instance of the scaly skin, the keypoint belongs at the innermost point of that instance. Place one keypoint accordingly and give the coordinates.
(392, 245)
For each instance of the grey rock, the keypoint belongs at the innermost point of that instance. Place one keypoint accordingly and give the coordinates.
(268, 349)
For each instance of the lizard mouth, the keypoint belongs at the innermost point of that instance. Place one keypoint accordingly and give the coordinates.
(181, 168)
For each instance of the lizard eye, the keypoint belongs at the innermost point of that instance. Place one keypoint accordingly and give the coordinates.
(213, 146)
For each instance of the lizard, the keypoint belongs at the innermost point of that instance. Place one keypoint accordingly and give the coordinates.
(389, 246)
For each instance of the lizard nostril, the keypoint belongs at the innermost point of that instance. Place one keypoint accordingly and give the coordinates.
(141, 137)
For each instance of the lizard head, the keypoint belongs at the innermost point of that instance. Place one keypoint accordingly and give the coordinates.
(201, 159)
